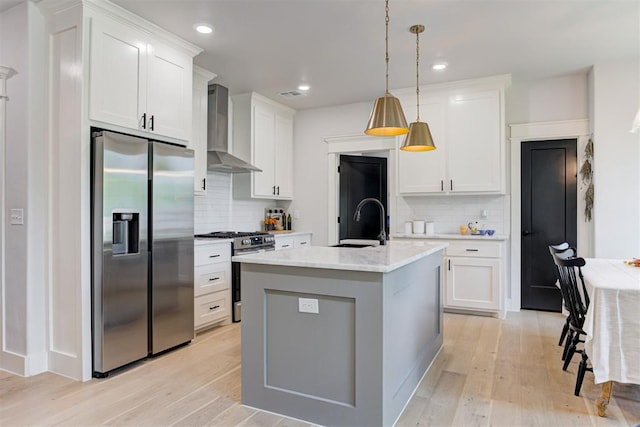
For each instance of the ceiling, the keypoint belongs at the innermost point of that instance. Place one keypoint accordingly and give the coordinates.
(337, 46)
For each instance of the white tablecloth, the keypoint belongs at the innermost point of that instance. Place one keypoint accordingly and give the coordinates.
(613, 320)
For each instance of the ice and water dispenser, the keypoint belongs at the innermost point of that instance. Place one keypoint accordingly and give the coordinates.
(126, 235)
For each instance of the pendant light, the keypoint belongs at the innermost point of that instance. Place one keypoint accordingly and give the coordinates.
(419, 137)
(387, 118)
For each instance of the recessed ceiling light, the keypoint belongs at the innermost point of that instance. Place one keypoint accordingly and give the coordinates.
(304, 87)
(439, 66)
(203, 28)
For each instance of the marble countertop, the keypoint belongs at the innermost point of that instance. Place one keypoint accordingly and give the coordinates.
(288, 232)
(452, 236)
(381, 259)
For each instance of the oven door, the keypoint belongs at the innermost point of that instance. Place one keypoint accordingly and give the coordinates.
(236, 291)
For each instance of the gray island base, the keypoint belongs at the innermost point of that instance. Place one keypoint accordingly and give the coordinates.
(339, 336)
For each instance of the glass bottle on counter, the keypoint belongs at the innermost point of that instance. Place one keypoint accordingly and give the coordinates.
(289, 222)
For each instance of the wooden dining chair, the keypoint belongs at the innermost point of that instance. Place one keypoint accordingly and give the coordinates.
(569, 274)
(565, 251)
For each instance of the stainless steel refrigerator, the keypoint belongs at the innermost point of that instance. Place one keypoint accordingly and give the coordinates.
(142, 248)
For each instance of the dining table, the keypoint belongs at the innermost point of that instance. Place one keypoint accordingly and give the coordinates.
(612, 324)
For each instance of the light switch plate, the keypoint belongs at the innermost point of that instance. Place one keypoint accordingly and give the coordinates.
(308, 305)
(17, 216)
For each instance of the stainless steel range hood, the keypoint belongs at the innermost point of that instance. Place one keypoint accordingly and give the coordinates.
(218, 157)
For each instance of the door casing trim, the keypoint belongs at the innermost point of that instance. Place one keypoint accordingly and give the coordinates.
(524, 132)
(350, 144)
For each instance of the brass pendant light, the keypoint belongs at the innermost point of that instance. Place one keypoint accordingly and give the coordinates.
(387, 117)
(419, 137)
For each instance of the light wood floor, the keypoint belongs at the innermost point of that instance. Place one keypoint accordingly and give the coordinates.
(491, 373)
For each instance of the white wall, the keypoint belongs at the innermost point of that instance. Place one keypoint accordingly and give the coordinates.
(24, 308)
(552, 99)
(616, 160)
(218, 211)
(310, 161)
(311, 192)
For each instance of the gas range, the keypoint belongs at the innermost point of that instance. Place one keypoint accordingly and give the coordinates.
(244, 241)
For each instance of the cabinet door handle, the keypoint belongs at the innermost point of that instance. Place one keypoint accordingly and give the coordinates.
(471, 250)
(274, 190)
(450, 181)
(278, 190)
(151, 121)
(144, 120)
(449, 265)
(204, 183)
(214, 307)
(213, 279)
(214, 256)
(441, 185)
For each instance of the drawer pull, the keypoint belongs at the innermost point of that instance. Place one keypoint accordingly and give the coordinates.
(285, 246)
(303, 243)
(214, 256)
(471, 250)
(211, 279)
(214, 307)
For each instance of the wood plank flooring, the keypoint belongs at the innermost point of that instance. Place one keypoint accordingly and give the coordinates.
(491, 372)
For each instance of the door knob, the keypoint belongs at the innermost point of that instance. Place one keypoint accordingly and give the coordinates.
(526, 232)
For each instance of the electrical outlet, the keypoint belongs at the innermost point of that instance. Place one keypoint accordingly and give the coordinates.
(17, 216)
(484, 214)
(296, 214)
(308, 305)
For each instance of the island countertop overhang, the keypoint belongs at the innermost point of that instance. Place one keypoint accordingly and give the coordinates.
(380, 259)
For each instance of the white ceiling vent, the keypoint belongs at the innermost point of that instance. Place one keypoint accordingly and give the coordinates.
(291, 94)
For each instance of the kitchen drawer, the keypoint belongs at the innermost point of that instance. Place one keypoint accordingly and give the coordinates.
(211, 308)
(212, 278)
(207, 254)
(471, 248)
(284, 242)
(302, 240)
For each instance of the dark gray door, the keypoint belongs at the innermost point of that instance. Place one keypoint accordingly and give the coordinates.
(548, 217)
(362, 177)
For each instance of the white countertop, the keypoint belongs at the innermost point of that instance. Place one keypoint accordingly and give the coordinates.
(381, 259)
(287, 233)
(452, 236)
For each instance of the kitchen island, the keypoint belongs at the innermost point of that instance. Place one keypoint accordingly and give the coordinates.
(339, 336)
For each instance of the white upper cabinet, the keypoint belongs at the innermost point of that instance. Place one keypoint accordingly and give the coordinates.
(263, 136)
(201, 78)
(138, 82)
(467, 125)
(424, 172)
(474, 144)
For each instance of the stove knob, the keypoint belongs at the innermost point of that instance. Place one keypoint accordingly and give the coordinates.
(246, 241)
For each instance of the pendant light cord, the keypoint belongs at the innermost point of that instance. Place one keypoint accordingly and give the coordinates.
(386, 46)
(417, 76)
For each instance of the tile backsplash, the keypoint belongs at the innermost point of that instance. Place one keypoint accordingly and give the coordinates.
(449, 212)
(218, 211)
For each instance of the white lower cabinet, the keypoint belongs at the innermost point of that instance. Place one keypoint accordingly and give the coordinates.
(296, 241)
(301, 240)
(284, 242)
(474, 275)
(472, 283)
(212, 287)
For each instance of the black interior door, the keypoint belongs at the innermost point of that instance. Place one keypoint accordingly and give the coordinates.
(548, 217)
(361, 177)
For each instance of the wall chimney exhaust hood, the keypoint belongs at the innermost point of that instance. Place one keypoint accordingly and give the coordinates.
(218, 157)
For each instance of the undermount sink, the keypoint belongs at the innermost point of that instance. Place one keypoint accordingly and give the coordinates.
(352, 245)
